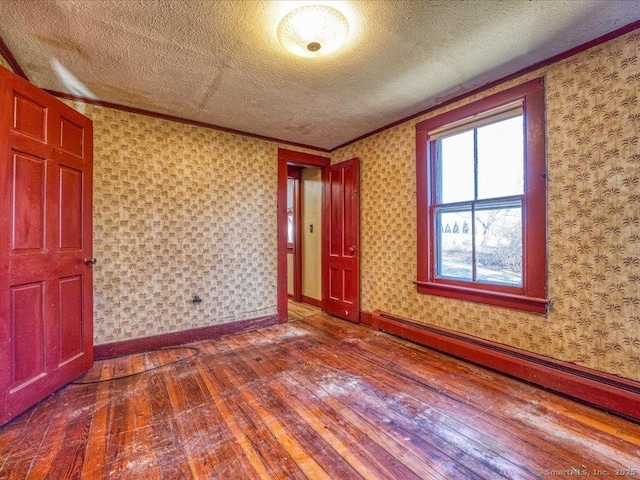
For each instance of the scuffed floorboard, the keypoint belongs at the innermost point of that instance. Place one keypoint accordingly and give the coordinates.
(318, 398)
(298, 311)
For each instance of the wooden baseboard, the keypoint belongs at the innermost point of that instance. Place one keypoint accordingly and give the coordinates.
(615, 394)
(137, 345)
(312, 301)
(366, 318)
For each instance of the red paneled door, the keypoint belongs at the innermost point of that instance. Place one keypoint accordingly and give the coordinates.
(342, 242)
(46, 310)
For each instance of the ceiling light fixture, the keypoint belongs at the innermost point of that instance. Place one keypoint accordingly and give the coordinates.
(313, 30)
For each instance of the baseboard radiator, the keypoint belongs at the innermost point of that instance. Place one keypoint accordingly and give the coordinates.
(602, 390)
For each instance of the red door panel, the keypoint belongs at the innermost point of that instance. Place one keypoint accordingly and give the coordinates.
(30, 118)
(27, 332)
(28, 202)
(70, 203)
(46, 312)
(341, 261)
(71, 137)
(70, 318)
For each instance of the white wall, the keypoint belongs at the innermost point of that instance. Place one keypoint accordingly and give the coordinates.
(311, 241)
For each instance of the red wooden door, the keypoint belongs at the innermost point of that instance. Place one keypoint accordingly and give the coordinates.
(342, 242)
(46, 308)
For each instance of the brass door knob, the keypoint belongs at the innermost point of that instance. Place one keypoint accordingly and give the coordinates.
(90, 261)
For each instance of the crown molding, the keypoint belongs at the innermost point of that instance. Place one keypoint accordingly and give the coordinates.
(11, 60)
(544, 63)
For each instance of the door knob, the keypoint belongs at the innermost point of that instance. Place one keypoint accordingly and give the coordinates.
(352, 250)
(90, 261)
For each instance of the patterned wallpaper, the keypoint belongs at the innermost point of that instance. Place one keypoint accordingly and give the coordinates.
(5, 64)
(179, 211)
(593, 124)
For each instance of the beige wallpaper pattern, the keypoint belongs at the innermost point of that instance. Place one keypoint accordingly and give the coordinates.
(593, 123)
(5, 64)
(182, 211)
(179, 211)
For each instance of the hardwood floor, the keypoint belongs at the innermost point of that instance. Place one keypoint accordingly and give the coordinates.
(301, 310)
(318, 398)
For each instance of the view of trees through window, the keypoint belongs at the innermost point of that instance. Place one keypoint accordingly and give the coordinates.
(479, 203)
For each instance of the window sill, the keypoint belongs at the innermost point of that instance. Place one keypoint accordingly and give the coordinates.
(490, 297)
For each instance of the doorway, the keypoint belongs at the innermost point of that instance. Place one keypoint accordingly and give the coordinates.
(340, 249)
(296, 168)
(304, 235)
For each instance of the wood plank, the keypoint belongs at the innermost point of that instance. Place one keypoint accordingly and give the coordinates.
(198, 425)
(32, 422)
(307, 437)
(253, 465)
(118, 432)
(143, 461)
(66, 454)
(515, 412)
(276, 460)
(164, 425)
(134, 364)
(608, 392)
(97, 438)
(245, 422)
(518, 413)
(343, 392)
(289, 443)
(301, 310)
(318, 398)
(41, 441)
(271, 367)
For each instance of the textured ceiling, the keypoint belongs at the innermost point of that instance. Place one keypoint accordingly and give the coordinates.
(220, 62)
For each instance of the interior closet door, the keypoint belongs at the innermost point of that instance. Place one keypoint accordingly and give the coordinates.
(46, 258)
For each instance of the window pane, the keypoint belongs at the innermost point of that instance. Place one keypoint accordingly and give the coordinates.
(499, 246)
(454, 259)
(290, 227)
(290, 185)
(501, 159)
(457, 183)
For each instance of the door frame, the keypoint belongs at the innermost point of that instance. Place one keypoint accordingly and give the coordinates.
(295, 173)
(297, 159)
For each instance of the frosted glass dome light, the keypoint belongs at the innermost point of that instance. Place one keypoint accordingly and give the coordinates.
(313, 30)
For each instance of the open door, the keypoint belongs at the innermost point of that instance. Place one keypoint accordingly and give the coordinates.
(342, 240)
(287, 158)
(46, 259)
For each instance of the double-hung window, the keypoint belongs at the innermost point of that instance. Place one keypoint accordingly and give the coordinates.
(481, 193)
